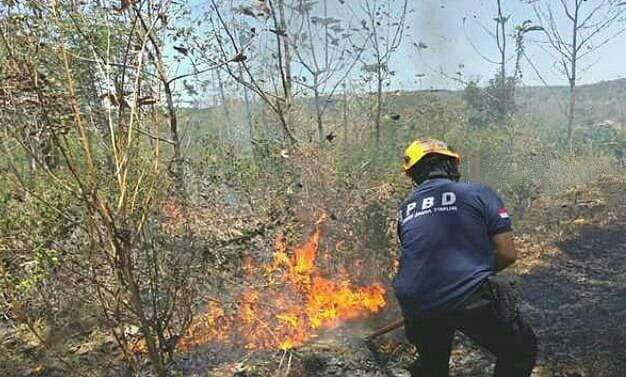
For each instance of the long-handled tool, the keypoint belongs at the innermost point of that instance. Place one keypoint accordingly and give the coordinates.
(385, 329)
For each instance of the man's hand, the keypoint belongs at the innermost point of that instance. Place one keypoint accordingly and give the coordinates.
(505, 253)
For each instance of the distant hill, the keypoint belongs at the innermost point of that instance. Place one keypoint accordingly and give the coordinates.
(599, 104)
(596, 103)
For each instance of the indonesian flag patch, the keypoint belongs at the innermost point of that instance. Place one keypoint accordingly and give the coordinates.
(502, 212)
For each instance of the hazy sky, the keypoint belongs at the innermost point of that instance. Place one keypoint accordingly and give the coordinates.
(453, 33)
(440, 24)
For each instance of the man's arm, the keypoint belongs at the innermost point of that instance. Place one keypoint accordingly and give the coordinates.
(504, 253)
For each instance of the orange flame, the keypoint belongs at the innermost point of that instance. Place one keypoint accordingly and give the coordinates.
(296, 302)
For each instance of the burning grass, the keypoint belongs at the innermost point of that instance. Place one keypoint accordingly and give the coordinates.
(296, 303)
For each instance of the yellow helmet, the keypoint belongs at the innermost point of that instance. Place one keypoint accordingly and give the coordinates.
(423, 147)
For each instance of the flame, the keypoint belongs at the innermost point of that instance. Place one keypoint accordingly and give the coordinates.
(290, 309)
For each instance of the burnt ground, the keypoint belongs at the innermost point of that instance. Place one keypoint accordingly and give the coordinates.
(577, 303)
(575, 298)
(573, 278)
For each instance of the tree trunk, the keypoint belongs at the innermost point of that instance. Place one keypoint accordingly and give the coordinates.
(154, 352)
(175, 169)
(173, 120)
(284, 64)
(379, 106)
(572, 83)
(246, 98)
(216, 103)
(287, 52)
(318, 111)
(320, 127)
(227, 118)
(570, 114)
(345, 117)
(503, 100)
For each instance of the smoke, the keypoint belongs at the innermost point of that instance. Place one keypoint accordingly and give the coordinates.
(437, 26)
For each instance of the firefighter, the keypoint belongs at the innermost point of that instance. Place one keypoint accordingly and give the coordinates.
(454, 238)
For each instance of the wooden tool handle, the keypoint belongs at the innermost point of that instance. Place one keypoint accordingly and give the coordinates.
(387, 328)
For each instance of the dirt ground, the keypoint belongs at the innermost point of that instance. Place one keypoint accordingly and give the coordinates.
(573, 278)
(574, 287)
(576, 303)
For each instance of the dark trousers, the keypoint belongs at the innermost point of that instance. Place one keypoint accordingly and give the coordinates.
(496, 325)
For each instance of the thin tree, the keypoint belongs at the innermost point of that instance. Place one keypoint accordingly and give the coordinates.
(235, 57)
(325, 51)
(501, 91)
(589, 25)
(385, 24)
(127, 274)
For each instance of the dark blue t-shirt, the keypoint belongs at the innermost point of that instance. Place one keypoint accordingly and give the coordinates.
(445, 231)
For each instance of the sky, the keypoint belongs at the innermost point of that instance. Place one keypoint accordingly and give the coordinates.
(454, 31)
